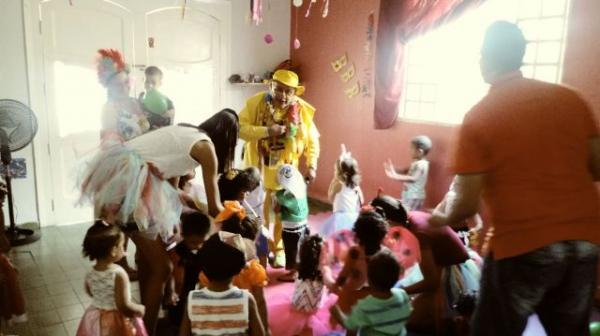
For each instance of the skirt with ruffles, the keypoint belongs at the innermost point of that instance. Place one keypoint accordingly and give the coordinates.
(284, 320)
(338, 221)
(124, 188)
(99, 322)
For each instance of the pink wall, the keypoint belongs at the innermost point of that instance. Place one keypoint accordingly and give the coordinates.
(350, 121)
(582, 54)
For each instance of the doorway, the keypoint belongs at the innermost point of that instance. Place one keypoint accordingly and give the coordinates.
(192, 52)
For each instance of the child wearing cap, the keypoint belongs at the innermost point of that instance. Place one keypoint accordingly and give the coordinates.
(415, 177)
(292, 205)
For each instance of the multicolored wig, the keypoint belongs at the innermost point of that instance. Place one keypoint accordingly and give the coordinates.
(110, 63)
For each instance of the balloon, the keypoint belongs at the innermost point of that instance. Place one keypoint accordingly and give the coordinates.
(404, 245)
(297, 3)
(268, 38)
(595, 328)
(296, 44)
(155, 102)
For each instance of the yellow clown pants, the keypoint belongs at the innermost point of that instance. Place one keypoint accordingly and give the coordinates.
(275, 245)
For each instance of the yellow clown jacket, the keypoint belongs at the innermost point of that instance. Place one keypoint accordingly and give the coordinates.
(268, 153)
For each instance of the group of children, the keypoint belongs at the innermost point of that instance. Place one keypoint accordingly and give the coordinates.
(219, 275)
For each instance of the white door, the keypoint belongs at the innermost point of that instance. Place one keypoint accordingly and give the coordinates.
(188, 52)
(74, 98)
(192, 52)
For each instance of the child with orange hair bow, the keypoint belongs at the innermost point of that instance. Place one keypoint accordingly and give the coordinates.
(253, 276)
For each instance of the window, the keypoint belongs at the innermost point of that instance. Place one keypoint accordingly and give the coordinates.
(442, 78)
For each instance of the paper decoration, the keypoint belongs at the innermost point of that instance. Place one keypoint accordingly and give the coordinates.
(325, 8)
(348, 74)
(310, 4)
(367, 77)
(353, 91)
(268, 38)
(17, 168)
(339, 63)
(183, 9)
(296, 40)
(297, 3)
(370, 32)
(256, 12)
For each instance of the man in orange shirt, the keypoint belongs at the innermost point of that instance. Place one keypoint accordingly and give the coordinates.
(532, 151)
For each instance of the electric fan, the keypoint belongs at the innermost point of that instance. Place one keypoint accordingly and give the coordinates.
(18, 126)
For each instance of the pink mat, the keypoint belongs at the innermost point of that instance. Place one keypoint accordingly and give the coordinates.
(276, 287)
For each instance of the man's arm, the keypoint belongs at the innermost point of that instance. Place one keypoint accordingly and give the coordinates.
(468, 192)
(249, 131)
(313, 150)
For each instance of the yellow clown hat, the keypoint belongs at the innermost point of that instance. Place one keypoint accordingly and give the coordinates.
(289, 78)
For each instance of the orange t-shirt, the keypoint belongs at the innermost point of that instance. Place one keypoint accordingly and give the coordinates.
(531, 140)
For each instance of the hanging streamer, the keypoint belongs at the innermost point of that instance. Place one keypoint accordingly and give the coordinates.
(256, 11)
(310, 4)
(183, 9)
(296, 40)
(325, 8)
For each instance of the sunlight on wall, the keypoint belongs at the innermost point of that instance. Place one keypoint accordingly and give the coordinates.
(192, 90)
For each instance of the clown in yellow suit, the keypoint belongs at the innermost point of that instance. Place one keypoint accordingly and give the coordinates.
(278, 128)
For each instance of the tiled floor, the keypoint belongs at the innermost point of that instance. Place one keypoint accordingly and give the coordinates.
(51, 273)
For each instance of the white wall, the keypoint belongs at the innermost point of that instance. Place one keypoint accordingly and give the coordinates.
(249, 54)
(13, 85)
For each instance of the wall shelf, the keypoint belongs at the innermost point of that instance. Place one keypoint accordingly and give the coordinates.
(249, 84)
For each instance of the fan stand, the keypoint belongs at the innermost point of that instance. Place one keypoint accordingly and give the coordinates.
(17, 236)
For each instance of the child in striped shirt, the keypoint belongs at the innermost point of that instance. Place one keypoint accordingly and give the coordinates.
(221, 309)
(386, 310)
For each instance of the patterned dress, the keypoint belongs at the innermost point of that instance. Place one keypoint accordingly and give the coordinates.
(102, 316)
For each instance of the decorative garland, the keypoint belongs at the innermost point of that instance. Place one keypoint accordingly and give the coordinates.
(291, 121)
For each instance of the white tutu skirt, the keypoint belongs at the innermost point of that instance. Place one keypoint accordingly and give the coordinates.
(122, 188)
(338, 221)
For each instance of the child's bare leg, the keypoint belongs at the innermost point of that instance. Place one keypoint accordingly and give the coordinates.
(263, 261)
(155, 269)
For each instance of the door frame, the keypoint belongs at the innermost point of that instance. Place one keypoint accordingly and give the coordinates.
(34, 54)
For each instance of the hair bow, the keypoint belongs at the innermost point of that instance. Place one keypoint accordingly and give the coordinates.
(367, 208)
(345, 154)
(231, 174)
(231, 208)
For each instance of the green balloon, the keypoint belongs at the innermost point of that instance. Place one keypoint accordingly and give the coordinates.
(595, 328)
(155, 102)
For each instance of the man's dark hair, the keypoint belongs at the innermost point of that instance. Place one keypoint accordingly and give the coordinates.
(153, 71)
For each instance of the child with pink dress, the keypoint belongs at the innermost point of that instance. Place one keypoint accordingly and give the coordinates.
(306, 312)
(111, 312)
